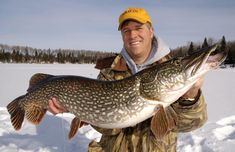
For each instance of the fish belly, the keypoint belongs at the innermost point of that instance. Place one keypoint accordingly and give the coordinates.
(131, 120)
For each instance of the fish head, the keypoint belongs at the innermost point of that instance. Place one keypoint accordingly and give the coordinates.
(175, 77)
(197, 64)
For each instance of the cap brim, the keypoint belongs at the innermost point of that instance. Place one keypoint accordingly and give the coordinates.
(131, 18)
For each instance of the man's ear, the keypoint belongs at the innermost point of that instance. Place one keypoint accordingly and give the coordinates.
(152, 35)
(152, 32)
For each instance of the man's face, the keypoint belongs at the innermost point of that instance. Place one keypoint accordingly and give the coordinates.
(137, 38)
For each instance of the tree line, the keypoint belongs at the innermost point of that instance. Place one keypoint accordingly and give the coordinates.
(22, 54)
(223, 45)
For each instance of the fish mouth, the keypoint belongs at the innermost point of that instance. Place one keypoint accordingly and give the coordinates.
(204, 60)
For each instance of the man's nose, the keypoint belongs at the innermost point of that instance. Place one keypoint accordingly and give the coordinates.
(133, 33)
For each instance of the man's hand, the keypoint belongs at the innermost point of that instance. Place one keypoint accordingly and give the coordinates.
(194, 90)
(55, 107)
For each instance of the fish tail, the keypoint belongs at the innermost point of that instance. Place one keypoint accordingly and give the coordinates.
(33, 112)
(16, 112)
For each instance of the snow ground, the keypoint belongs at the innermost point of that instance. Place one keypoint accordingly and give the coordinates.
(217, 135)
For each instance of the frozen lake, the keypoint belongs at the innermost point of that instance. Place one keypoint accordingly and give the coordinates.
(217, 135)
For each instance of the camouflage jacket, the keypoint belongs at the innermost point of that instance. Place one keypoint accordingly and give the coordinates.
(185, 116)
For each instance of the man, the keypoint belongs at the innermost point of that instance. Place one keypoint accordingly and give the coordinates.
(141, 49)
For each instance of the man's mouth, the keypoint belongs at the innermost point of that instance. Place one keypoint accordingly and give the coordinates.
(134, 43)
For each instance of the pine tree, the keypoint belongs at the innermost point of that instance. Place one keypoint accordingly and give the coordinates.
(26, 55)
(1, 55)
(205, 44)
(229, 59)
(191, 48)
(13, 55)
(223, 44)
(36, 58)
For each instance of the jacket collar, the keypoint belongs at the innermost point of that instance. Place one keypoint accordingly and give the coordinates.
(119, 64)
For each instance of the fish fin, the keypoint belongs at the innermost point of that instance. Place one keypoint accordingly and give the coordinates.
(34, 113)
(37, 78)
(16, 113)
(75, 125)
(159, 123)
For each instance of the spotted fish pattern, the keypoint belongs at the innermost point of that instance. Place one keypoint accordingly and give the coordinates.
(114, 104)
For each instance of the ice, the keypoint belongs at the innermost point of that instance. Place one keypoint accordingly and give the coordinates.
(217, 135)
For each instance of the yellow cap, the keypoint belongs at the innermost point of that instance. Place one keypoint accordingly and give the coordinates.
(137, 14)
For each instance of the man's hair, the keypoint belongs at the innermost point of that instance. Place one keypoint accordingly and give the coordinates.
(149, 25)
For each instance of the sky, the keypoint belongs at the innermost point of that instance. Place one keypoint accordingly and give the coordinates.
(92, 24)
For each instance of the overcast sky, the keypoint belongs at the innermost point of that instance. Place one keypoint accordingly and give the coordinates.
(92, 24)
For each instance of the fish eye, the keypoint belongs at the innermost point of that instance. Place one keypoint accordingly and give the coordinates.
(177, 62)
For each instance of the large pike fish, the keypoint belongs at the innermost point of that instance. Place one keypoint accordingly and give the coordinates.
(115, 104)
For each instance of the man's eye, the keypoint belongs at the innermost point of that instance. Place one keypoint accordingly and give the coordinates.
(125, 31)
(139, 28)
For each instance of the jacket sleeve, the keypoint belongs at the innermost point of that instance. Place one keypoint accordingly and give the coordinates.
(189, 116)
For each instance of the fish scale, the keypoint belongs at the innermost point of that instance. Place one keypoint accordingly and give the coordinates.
(115, 104)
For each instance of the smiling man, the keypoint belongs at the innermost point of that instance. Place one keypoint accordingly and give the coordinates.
(142, 48)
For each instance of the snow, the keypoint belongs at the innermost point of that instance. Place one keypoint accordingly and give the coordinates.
(227, 121)
(217, 135)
